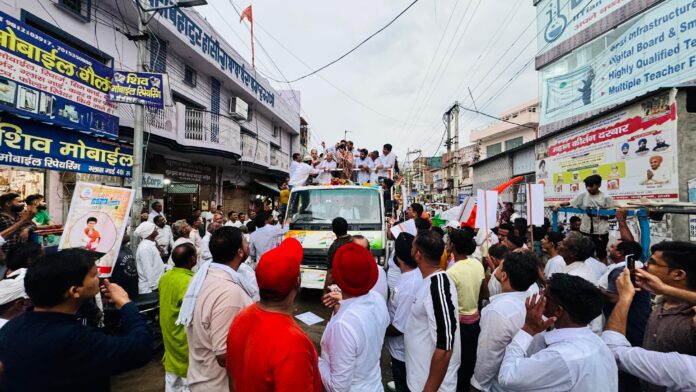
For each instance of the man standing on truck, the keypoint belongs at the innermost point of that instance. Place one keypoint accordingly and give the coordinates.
(326, 168)
(302, 172)
(387, 162)
(364, 166)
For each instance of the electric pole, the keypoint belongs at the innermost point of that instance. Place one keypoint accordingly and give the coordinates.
(138, 129)
(455, 190)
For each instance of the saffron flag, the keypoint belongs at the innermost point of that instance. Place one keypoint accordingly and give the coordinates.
(246, 14)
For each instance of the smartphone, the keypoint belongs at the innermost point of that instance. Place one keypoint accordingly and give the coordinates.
(631, 265)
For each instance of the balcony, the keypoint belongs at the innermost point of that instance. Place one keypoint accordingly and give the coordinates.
(194, 128)
(255, 150)
(280, 160)
(502, 129)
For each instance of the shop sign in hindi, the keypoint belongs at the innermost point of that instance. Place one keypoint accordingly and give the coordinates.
(188, 172)
(31, 144)
(97, 220)
(44, 79)
(140, 88)
(634, 150)
(149, 181)
(653, 50)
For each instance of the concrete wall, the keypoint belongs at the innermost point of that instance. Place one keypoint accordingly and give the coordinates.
(492, 173)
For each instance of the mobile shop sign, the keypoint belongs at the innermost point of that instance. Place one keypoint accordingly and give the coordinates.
(559, 20)
(138, 87)
(31, 144)
(210, 46)
(634, 150)
(653, 50)
(96, 221)
(44, 79)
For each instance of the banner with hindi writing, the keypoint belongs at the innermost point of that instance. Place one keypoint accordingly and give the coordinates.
(32, 144)
(142, 88)
(97, 220)
(44, 79)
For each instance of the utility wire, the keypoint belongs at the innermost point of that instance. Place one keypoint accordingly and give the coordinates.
(354, 48)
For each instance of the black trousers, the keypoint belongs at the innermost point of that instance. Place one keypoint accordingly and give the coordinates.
(469, 334)
(399, 374)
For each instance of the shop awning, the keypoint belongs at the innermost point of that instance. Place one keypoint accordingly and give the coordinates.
(268, 185)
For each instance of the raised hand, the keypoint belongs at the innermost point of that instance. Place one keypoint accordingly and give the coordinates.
(625, 287)
(534, 322)
(650, 282)
(114, 293)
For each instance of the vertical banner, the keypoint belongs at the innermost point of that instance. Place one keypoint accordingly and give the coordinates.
(486, 212)
(692, 218)
(97, 220)
(404, 196)
(535, 204)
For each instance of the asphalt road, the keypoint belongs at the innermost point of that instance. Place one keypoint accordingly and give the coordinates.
(151, 377)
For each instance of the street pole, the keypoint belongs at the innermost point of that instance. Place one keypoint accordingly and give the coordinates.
(138, 129)
(448, 171)
(456, 152)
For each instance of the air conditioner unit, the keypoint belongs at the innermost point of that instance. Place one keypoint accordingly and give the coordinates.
(238, 109)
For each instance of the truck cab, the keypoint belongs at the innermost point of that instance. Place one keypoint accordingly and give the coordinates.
(311, 210)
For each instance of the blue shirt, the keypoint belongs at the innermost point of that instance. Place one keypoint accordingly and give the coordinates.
(45, 351)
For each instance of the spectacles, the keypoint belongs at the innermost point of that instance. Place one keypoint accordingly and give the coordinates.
(652, 261)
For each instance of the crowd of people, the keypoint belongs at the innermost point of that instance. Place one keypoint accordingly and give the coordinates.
(459, 309)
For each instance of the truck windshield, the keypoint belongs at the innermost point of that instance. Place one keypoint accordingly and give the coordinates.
(322, 205)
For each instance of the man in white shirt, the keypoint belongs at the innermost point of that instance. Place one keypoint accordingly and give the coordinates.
(386, 162)
(326, 169)
(549, 245)
(302, 173)
(296, 161)
(399, 306)
(676, 372)
(574, 359)
(195, 222)
(503, 317)
(575, 250)
(351, 345)
(165, 238)
(364, 166)
(148, 259)
(267, 236)
(204, 254)
(431, 338)
(233, 220)
(156, 211)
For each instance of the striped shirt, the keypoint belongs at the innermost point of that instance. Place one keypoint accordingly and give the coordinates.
(432, 325)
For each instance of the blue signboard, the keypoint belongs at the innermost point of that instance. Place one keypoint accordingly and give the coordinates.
(43, 79)
(36, 145)
(138, 87)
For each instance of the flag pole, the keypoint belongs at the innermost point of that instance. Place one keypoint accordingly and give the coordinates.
(252, 44)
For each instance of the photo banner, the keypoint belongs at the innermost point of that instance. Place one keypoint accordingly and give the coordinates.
(32, 144)
(44, 79)
(97, 220)
(653, 50)
(634, 150)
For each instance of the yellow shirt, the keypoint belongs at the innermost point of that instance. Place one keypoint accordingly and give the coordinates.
(467, 276)
(284, 196)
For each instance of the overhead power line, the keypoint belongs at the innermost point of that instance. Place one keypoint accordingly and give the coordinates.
(355, 47)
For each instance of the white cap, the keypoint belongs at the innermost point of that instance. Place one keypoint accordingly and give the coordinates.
(12, 287)
(453, 224)
(145, 229)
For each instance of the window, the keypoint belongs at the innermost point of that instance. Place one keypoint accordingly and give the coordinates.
(158, 54)
(190, 76)
(250, 113)
(512, 143)
(493, 149)
(81, 8)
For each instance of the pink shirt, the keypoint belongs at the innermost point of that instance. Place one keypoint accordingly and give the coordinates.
(219, 301)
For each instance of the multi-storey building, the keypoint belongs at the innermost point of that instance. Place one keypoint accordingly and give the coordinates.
(226, 135)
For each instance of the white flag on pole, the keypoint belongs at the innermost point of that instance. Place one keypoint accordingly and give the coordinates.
(487, 202)
(405, 227)
(460, 213)
(535, 204)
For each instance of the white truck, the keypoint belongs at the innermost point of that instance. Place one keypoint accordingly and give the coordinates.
(313, 208)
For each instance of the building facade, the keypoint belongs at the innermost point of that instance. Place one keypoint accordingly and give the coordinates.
(226, 135)
(519, 126)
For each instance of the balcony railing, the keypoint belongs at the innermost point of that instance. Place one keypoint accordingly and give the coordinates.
(162, 119)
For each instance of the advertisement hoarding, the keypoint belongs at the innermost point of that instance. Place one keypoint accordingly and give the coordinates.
(634, 150)
(653, 50)
(97, 220)
(44, 79)
(142, 88)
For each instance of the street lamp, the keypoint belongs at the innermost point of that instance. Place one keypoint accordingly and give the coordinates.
(139, 123)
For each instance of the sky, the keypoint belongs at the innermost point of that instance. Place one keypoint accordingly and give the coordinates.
(396, 87)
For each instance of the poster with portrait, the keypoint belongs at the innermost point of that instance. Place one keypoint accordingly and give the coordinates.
(634, 151)
(96, 221)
